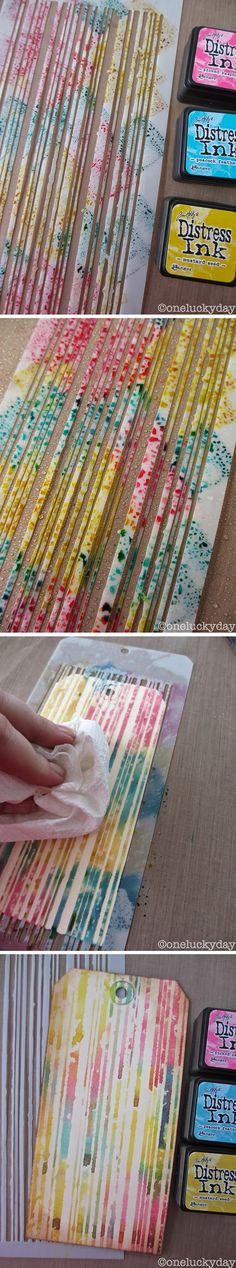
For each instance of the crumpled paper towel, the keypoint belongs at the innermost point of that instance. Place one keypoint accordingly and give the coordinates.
(78, 805)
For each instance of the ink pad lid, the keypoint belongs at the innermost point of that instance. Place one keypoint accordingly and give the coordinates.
(206, 1180)
(209, 1115)
(205, 146)
(197, 241)
(214, 1042)
(209, 65)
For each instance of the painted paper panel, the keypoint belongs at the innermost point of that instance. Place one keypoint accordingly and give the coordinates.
(108, 1114)
(136, 395)
(71, 885)
(175, 672)
(26, 988)
(198, 549)
(91, 85)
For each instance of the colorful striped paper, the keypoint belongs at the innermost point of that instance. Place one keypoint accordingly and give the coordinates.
(108, 1114)
(131, 347)
(72, 885)
(92, 402)
(26, 988)
(202, 525)
(143, 669)
(85, 95)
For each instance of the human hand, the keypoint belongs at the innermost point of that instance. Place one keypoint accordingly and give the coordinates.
(20, 729)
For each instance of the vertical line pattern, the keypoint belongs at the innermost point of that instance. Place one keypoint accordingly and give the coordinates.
(27, 983)
(73, 147)
(72, 885)
(108, 1112)
(30, 935)
(185, 447)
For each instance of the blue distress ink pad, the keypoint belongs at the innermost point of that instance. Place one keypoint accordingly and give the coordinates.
(205, 146)
(210, 1112)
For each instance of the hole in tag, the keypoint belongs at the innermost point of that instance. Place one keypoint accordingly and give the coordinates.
(121, 992)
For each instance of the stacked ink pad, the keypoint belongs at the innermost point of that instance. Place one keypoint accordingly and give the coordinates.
(207, 1160)
(198, 239)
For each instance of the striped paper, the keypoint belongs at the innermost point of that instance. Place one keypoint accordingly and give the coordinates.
(113, 428)
(85, 95)
(26, 987)
(142, 667)
(108, 1112)
(71, 885)
(68, 49)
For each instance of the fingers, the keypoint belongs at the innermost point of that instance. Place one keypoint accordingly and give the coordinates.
(35, 728)
(18, 807)
(18, 758)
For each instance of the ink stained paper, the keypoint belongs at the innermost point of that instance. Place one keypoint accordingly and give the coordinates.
(26, 988)
(76, 255)
(202, 531)
(176, 671)
(57, 520)
(72, 885)
(109, 1109)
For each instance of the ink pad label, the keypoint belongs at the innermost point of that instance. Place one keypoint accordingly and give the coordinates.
(211, 1182)
(215, 1113)
(211, 145)
(220, 1050)
(215, 59)
(201, 243)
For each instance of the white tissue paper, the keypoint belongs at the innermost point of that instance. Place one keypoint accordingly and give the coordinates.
(78, 805)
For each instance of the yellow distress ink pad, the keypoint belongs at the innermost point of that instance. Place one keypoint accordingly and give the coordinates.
(206, 1180)
(198, 241)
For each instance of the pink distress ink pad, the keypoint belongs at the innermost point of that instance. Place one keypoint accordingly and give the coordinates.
(214, 1041)
(209, 65)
